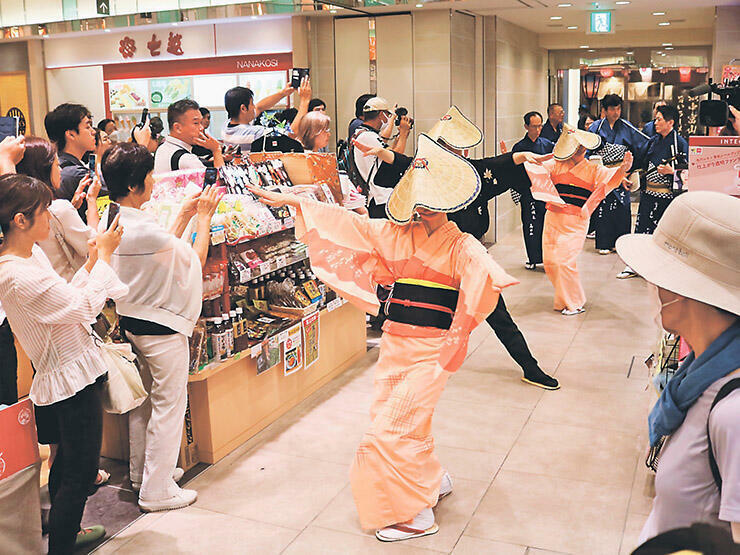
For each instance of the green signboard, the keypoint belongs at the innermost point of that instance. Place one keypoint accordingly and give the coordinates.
(600, 22)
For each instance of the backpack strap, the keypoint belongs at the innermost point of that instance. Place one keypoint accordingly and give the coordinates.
(175, 159)
(724, 391)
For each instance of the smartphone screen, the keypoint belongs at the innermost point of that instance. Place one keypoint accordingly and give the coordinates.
(211, 176)
(91, 161)
(113, 210)
(297, 75)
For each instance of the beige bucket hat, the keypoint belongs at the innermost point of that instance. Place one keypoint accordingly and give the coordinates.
(571, 138)
(694, 250)
(456, 130)
(437, 180)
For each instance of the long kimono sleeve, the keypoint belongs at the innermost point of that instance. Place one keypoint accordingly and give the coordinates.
(499, 174)
(605, 180)
(481, 282)
(348, 252)
(543, 187)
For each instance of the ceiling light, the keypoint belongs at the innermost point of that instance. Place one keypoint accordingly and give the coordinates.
(565, 5)
(584, 46)
(669, 48)
(667, 44)
(591, 50)
(658, 13)
(571, 27)
(555, 17)
(420, 5)
(622, 3)
(664, 23)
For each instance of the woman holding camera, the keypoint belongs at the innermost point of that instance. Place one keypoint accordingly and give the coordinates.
(50, 319)
(164, 276)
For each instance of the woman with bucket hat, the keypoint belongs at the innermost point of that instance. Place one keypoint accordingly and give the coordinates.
(444, 283)
(572, 187)
(692, 268)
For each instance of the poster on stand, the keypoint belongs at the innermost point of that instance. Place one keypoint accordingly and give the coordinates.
(310, 339)
(293, 350)
(269, 355)
(714, 164)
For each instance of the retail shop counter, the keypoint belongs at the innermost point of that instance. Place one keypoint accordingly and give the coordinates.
(229, 403)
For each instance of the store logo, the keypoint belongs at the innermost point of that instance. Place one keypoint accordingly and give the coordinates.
(24, 417)
(446, 117)
(421, 164)
(249, 64)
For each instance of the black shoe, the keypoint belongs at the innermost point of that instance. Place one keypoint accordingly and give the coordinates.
(538, 378)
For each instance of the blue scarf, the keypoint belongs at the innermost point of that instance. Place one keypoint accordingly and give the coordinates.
(693, 377)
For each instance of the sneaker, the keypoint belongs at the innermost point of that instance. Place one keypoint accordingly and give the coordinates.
(566, 312)
(181, 499)
(627, 273)
(530, 266)
(591, 235)
(606, 251)
(422, 525)
(539, 379)
(176, 476)
(89, 535)
(445, 487)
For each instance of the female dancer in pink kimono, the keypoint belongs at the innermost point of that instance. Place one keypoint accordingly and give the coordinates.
(444, 283)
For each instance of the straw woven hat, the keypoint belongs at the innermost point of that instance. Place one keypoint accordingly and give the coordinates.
(456, 130)
(437, 179)
(693, 251)
(571, 138)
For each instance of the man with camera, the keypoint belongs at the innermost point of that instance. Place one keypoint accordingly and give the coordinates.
(377, 116)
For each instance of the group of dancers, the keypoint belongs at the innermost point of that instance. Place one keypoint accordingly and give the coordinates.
(443, 284)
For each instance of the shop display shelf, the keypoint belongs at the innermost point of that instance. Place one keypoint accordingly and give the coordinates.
(274, 265)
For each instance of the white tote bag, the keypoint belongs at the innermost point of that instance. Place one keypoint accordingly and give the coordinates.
(123, 391)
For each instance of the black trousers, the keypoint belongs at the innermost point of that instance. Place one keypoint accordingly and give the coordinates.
(72, 475)
(8, 366)
(533, 220)
(650, 211)
(614, 218)
(510, 336)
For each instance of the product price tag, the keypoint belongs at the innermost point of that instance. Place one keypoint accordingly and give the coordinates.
(288, 222)
(282, 261)
(282, 336)
(333, 305)
(254, 351)
(245, 274)
(218, 234)
(265, 267)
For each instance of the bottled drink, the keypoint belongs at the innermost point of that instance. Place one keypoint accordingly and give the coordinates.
(219, 340)
(229, 332)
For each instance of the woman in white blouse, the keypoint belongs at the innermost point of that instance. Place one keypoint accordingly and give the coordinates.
(50, 318)
(164, 276)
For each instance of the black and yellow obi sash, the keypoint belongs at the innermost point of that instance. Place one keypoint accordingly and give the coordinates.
(422, 303)
(571, 194)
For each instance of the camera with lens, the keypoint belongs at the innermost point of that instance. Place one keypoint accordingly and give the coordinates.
(713, 113)
(400, 112)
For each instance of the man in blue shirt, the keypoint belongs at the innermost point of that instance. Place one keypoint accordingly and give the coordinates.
(533, 211)
(649, 127)
(554, 125)
(614, 217)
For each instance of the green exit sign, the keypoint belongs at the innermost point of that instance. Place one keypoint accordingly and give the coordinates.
(601, 22)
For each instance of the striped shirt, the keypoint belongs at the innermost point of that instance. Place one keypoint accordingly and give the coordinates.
(50, 317)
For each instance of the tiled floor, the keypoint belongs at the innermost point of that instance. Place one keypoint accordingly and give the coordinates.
(536, 472)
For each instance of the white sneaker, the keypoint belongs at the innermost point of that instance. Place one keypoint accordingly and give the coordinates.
(183, 498)
(176, 476)
(566, 312)
(445, 487)
(422, 525)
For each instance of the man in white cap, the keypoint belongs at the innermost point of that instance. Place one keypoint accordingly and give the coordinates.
(692, 267)
(378, 115)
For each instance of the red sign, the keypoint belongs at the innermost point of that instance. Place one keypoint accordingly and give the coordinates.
(174, 44)
(19, 446)
(127, 47)
(154, 45)
(198, 66)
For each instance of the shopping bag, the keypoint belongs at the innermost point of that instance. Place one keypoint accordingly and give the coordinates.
(123, 391)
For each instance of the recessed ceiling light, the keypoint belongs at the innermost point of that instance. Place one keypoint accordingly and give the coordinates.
(420, 5)
(565, 5)
(622, 3)
(584, 46)
(669, 48)
(571, 27)
(591, 50)
(658, 13)
(667, 44)
(630, 52)
(664, 23)
(556, 17)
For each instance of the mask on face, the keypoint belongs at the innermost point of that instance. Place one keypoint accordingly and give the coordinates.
(385, 125)
(656, 305)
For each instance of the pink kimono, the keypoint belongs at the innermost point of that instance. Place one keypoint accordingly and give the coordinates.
(395, 473)
(572, 192)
